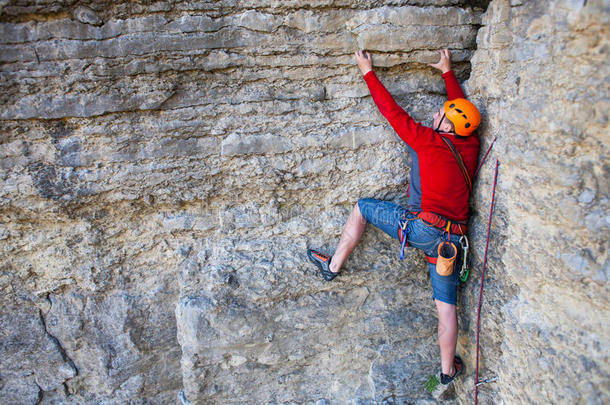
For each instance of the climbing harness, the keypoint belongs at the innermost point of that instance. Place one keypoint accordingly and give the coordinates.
(449, 227)
(438, 221)
(429, 219)
(491, 210)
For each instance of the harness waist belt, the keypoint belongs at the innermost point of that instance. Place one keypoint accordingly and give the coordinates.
(431, 260)
(437, 221)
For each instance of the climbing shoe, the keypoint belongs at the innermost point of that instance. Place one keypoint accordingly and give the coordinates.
(323, 262)
(459, 366)
(440, 383)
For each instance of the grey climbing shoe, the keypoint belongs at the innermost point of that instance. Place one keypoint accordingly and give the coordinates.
(323, 262)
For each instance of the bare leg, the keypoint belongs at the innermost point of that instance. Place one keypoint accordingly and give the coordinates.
(447, 335)
(351, 235)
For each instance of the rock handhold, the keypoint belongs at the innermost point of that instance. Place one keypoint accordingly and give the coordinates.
(87, 16)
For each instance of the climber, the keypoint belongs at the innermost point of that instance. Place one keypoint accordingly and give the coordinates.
(437, 209)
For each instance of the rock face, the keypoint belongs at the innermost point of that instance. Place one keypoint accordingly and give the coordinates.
(165, 165)
(541, 72)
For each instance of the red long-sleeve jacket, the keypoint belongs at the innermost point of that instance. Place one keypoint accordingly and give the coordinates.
(437, 184)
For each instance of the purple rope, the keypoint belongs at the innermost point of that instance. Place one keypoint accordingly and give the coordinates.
(484, 157)
(491, 210)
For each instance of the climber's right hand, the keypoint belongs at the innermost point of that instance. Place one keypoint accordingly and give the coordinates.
(365, 61)
(444, 65)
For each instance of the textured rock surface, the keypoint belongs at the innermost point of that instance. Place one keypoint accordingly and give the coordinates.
(164, 166)
(541, 71)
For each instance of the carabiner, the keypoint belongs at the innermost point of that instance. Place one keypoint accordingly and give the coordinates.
(403, 237)
(464, 242)
(465, 270)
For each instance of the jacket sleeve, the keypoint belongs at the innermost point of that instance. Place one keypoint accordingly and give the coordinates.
(453, 87)
(413, 133)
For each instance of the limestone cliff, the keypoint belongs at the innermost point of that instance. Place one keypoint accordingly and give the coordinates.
(165, 165)
(541, 71)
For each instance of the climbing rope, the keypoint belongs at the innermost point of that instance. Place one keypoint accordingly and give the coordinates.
(491, 210)
(484, 157)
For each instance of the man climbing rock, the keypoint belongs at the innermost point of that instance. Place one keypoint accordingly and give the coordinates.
(443, 161)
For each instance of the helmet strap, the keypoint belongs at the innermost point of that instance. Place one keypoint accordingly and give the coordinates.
(438, 127)
(439, 123)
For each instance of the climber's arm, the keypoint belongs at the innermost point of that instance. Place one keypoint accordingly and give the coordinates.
(408, 130)
(451, 84)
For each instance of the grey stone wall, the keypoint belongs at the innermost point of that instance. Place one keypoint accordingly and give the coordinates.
(541, 71)
(164, 166)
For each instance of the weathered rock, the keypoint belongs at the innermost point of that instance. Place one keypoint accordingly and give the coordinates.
(165, 165)
(28, 342)
(87, 16)
(545, 303)
(295, 335)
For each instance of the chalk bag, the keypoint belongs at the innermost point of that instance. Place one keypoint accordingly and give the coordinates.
(446, 258)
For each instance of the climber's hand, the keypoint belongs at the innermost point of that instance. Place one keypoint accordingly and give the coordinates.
(365, 61)
(444, 65)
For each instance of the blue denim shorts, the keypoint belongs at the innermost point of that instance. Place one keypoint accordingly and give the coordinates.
(386, 216)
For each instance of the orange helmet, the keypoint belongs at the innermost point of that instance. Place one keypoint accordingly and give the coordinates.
(464, 116)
